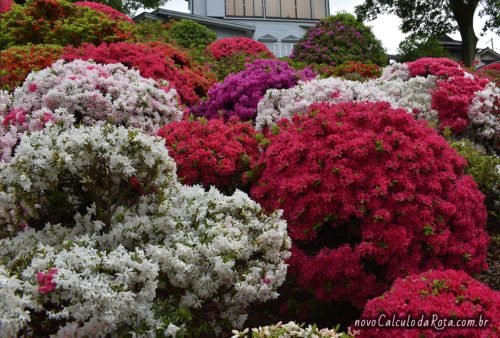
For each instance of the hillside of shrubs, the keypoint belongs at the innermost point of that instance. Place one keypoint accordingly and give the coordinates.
(158, 182)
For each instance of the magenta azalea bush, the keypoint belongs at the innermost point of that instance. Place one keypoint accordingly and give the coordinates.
(82, 92)
(370, 194)
(240, 93)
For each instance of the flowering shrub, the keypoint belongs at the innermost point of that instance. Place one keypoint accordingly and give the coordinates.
(440, 67)
(154, 60)
(5, 5)
(211, 152)
(88, 93)
(351, 68)
(290, 330)
(338, 39)
(228, 47)
(61, 23)
(367, 184)
(190, 34)
(17, 62)
(240, 93)
(102, 8)
(450, 295)
(491, 72)
(98, 257)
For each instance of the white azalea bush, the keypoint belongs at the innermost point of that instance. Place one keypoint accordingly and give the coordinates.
(292, 330)
(98, 238)
(83, 92)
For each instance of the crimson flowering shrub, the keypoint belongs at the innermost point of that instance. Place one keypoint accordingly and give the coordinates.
(491, 72)
(240, 93)
(212, 152)
(60, 22)
(370, 194)
(351, 70)
(155, 60)
(450, 295)
(440, 67)
(5, 5)
(338, 39)
(228, 47)
(18, 61)
(107, 10)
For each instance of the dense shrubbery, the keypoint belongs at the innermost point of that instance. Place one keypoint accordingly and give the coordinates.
(154, 60)
(190, 34)
(290, 330)
(491, 72)
(367, 184)
(450, 295)
(240, 93)
(87, 93)
(108, 11)
(338, 39)
(211, 152)
(101, 256)
(61, 23)
(17, 62)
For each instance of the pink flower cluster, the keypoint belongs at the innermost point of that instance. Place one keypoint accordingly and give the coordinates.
(45, 281)
(240, 93)
(212, 152)
(228, 47)
(107, 10)
(5, 5)
(440, 67)
(446, 294)
(370, 194)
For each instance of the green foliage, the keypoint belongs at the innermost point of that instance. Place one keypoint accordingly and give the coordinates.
(61, 23)
(231, 64)
(129, 7)
(486, 172)
(152, 30)
(413, 48)
(191, 35)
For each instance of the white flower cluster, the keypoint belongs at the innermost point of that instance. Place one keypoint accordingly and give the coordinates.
(484, 114)
(123, 262)
(87, 93)
(291, 330)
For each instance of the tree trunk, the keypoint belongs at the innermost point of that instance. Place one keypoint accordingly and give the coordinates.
(463, 12)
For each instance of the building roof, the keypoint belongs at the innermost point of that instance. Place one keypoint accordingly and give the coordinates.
(488, 50)
(165, 14)
(268, 38)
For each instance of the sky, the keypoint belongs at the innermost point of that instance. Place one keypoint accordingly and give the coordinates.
(386, 27)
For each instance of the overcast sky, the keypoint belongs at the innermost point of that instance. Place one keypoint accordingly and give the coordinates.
(386, 27)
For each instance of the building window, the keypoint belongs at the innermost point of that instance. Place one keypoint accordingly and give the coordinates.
(281, 49)
(286, 9)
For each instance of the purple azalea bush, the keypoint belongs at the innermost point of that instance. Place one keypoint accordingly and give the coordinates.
(240, 93)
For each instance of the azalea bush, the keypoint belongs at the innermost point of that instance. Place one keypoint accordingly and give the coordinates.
(5, 6)
(449, 294)
(369, 185)
(338, 39)
(212, 153)
(18, 61)
(154, 60)
(112, 244)
(491, 72)
(354, 69)
(60, 22)
(87, 93)
(102, 8)
(240, 93)
(291, 330)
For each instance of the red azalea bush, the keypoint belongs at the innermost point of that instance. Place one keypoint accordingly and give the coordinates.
(228, 47)
(240, 93)
(352, 70)
(452, 99)
(440, 67)
(211, 152)
(109, 11)
(370, 194)
(491, 72)
(155, 60)
(5, 5)
(18, 61)
(450, 295)
(60, 22)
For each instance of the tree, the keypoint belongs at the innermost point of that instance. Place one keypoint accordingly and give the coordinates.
(413, 48)
(425, 18)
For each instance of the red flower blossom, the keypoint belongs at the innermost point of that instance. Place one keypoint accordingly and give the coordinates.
(440, 67)
(5, 5)
(45, 281)
(370, 194)
(228, 47)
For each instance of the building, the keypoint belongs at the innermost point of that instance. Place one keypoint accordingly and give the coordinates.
(279, 24)
(454, 47)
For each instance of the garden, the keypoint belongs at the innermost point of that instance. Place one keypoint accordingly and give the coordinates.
(157, 182)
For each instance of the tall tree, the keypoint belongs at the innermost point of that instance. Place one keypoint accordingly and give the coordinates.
(426, 18)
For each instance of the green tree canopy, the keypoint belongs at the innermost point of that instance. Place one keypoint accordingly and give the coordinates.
(413, 48)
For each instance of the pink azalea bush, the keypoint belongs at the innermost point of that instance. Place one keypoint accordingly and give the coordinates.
(367, 184)
(212, 152)
(240, 93)
(440, 67)
(227, 47)
(102, 8)
(87, 93)
(449, 294)
(5, 5)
